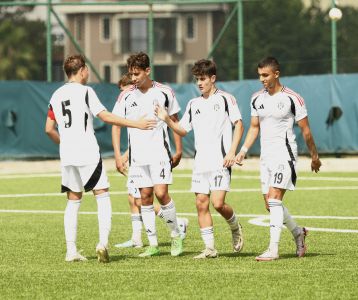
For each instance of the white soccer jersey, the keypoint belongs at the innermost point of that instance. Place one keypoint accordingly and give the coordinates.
(74, 106)
(211, 120)
(277, 114)
(147, 147)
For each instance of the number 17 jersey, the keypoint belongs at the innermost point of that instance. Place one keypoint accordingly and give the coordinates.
(74, 106)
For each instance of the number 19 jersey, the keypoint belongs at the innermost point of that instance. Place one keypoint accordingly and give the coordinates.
(277, 114)
(74, 106)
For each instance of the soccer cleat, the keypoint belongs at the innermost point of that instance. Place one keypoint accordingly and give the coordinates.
(102, 254)
(207, 253)
(268, 255)
(183, 226)
(177, 246)
(129, 244)
(75, 257)
(300, 242)
(150, 251)
(237, 239)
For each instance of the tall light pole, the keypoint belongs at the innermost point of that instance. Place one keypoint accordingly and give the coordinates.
(335, 14)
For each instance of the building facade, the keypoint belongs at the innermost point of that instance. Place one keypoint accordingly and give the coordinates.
(108, 34)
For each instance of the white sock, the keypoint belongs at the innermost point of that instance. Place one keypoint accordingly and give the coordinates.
(70, 223)
(160, 214)
(233, 222)
(290, 223)
(170, 218)
(148, 217)
(276, 222)
(136, 228)
(207, 234)
(104, 217)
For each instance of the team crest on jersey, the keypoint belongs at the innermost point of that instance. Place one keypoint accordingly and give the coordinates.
(280, 105)
(216, 107)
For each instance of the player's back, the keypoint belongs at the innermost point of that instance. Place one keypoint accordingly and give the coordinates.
(74, 106)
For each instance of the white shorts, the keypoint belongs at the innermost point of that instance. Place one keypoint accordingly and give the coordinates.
(278, 174)
(150, 175)
(79, 178)
(132, 189)
(204, 183)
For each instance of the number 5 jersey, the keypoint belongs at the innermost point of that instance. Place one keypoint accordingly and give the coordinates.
(74, 106)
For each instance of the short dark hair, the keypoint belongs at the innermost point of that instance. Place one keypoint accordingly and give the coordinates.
(125, 80)
(204, 67)
(269, 61)
(138, 60)
(73, 64)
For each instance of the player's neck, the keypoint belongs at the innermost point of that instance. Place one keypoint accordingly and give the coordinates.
(275, 88)
(210, 92)
(145, 86)
(75, 79)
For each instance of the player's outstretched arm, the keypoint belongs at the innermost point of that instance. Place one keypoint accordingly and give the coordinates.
(178, 143)
(142, 123)
(119, 159)
(229, 158)
(162, 114)
(307, 135)
(51, 130)
(251, 136)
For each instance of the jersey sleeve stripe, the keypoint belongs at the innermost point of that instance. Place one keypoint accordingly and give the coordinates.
(299, 98)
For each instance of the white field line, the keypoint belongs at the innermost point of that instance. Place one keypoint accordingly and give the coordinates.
(351, 179)
(256, 190)
(264, 221)
(258, 220)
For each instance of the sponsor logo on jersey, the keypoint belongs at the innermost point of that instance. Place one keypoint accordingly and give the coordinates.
(197, 112)
(261, 106)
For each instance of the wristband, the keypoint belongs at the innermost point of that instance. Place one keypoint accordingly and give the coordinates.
(244, 149)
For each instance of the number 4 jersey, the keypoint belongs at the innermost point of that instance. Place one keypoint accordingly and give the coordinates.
(74, 106)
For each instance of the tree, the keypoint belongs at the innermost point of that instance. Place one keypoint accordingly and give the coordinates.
(298, 36)
(22, 45)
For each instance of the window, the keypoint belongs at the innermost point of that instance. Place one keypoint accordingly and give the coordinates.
(122, 70)
(165, 34)
(190, 27)
(165, 73)
(134, 35)
(107, 73)
(79, 28)
(190, 77)
(106, 28)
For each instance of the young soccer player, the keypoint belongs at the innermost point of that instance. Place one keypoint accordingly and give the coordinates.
(71, 110)
(274, 110)
(211, 116)
(149, 154)
(134, 200)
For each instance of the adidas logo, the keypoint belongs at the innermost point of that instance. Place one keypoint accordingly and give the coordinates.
(134, 104)
(261, 106)
(197, 112)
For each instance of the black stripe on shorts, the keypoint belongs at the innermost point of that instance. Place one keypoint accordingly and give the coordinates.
(92, 182)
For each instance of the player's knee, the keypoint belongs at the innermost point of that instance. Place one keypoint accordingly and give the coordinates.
(162, 196)
(218, 206)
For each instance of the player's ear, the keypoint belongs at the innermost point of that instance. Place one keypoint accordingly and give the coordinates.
(213, 78)
(277, 74)
(147, 71)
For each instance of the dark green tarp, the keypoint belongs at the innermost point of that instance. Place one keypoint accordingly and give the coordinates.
(332, 103)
